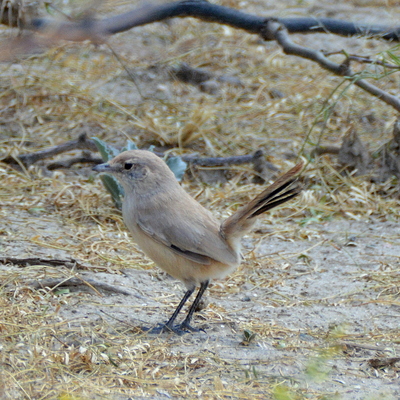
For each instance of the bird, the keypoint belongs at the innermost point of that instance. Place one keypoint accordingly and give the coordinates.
(178, 233)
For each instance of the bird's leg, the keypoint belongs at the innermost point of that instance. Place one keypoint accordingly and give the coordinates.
(169, 326)
(185, 325)
(185, 298)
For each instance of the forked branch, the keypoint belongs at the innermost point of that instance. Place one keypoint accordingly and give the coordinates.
(97, 30)
(274, 30)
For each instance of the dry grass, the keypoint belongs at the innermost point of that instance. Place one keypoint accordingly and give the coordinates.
(53, 97)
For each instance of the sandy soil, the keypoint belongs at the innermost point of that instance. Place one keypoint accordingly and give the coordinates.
(321, 297)
(320, 305)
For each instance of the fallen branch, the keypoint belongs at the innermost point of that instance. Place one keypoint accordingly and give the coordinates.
(26, 262)
(384, 362)
(257, 158)
(78, 285)
(364, 346)
(31, 158)
(85, 158)
(206, 81)
(320, 150)
(254, 158)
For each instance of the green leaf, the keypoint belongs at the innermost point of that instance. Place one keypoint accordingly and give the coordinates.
(115, 189)
(106, 151)
(394, 57)
(248, 337)
(177, 166)
(129, 146)
(112, 361)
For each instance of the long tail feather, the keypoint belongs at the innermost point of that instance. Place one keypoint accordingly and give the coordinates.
(285, 188)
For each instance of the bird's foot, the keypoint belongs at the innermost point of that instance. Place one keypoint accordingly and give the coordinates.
(165, 328)
(160, 328)
(186, 327)
(180, 329)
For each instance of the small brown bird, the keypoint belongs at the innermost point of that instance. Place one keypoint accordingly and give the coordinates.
(178, 233)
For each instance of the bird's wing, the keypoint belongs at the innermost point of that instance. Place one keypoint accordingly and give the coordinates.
(197, 237)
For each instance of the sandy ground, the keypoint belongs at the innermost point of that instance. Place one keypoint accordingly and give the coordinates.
(322, 298)
(321, 307)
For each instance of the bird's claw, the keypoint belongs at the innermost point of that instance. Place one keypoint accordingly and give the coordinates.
(180, 329)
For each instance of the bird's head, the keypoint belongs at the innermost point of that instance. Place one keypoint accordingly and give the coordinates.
(137, 169)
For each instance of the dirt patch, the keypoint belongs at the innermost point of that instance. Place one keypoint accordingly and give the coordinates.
(319, 286)
(322, 308)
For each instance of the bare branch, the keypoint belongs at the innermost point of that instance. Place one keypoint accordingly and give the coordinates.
(26, 262)
(223, 161)
(85, 158)
(274, 30)
(28, 159)
(260, 165)
(88, 28)
(78, 285)
(215, 13)
(362, 59)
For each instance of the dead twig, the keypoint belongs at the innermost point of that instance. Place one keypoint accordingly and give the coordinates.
(26, 262)
(78, 285)
(363, 346)
(206, 81)
(275, 30)
(31, 158)
(320, 150)
(260, 165)
(254, 158)
(384, 362)
(363, 59)
(85, 158)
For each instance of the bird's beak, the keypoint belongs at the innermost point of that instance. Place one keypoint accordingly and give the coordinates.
(102, 168)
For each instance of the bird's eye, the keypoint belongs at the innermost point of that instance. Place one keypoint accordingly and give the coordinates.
(128, 165)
